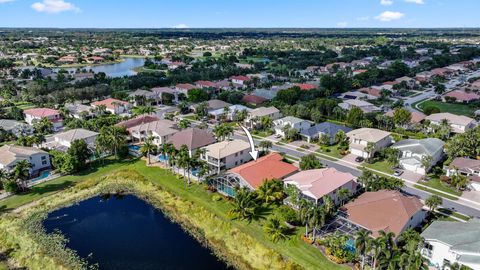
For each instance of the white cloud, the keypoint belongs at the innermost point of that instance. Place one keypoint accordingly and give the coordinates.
(364, 18)
(418, 2)
(342, 24)
(5, 1)
(388, 16)
(386, 2)
(54, 6)
(182, 25)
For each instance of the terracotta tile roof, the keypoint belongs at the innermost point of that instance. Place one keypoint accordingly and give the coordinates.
(206, 84)
(383, 210)
(462, 96)
(321, 182)
(306, 86)
(185, 86)
(41, 112)
(268, 167)
(109, 103)
(138, 121)
(417, 117)
(240, 78)
(253, 99)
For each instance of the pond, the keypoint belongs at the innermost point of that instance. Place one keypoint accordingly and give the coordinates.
(124, 68)
(128, 233)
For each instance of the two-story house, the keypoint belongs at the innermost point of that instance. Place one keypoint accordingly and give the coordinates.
(299, 124)
(10, 155)
(360, 140)
(115, 106)
(33, 116)
(413, 152)
(227, 154)
(254, 117)
(459, 123)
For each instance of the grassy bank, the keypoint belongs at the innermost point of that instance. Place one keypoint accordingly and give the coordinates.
(242, 244)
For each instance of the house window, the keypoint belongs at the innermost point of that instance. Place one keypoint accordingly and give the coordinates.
(44, 157)
(241, 152)
(236, 163)
(236, 154)
(44, 162)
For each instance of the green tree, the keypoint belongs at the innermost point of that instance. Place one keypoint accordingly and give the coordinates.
(275, 230)
(362, 245)
(112, 139)
(21, 172)
(76, 156)
(433, 202)
(310, 162)
(245, 205)
(271, 191)
(184, 124)
(402, 117)
(265, 145)
(44, 126)
(148, 148)
(354, 116)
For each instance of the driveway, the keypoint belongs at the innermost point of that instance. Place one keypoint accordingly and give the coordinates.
(411, 176)
(471, 195)
(350, 160)
(300, 143)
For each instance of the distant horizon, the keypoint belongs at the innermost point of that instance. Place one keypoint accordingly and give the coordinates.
(191, 14)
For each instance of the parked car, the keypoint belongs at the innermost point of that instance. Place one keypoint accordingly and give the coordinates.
(397, 173)
(359, 159)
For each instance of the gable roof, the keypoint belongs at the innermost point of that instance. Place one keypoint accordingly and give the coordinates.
(383, 210)
(460, 236)
(193, 138)
(226, 148)
(75, 134)
(326, 128)
(320, 182)
(253, 99)
(417, 117)
(452, 118)
(267, 167)
(263, 111)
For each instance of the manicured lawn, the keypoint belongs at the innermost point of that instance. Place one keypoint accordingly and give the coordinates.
(455, 108)
(50, 187)
(453, 214)
(293, 248)
(438, 184)
(382, 166)
(262, 134)
(330, 151)
(453, 198)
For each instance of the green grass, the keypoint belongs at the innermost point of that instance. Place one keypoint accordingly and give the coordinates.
(51, 187)
(438, 184)
(383, 166)
(451, 213)
(453, 198)
(261, 133)
(24, 105)
(455, 108)
(293, 248)
(330, 151)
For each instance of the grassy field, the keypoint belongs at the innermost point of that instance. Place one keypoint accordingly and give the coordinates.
(382, 166)
(438, 184)
(453, 198)
(455, 108)
(294, 248)
(330, 151)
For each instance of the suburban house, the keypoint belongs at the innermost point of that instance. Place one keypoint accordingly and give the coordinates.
(159, 130)
(252, 174)
(16, 128)
(34, 115)
(459, 123)
(184, 88)
(205, 84)
(416, 118)
(142, 97)
(254, 116)
(412, 152)
(161, 92)
(299, 124)
(385, 210)
(323, 129)
(241, 80)
(193, 138)
(365, 106)
(360, 139)
(212, 105)
(80, 111)
(461, 96)
(253, 100)
(62, 141)
(226, 154)
(449, 242)
(139, 120)
(115, 106)
(230, 114)
(11, 154)
(467, 167)
(314, 185)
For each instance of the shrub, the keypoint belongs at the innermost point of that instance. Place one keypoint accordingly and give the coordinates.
(11, 186)
(431, 110)
(288, 214)
(216, 198)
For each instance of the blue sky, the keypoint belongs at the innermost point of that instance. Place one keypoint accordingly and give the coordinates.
(239, 13)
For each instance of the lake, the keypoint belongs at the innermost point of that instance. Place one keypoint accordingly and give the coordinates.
(124, 68)
(128, 233)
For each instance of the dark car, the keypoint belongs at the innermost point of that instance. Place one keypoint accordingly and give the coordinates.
(359, 159)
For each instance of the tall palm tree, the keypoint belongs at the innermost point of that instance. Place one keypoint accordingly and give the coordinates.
(265, 145)
(275, 229)
(328, 205)
(266, 122)
(184, 161)
(164, 151)
(270, 191)
(21, 172)
(305, 213)
(245, 205)
(362, 244)
(148, 148)
(343, 195)
(317, 219)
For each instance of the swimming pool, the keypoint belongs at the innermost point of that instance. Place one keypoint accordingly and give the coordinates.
(43, 175)
(350, 245)
(162, 158)
(134, 147)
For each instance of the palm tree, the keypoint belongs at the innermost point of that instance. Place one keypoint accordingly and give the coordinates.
(245, 205)
(148, 148)
(21, 172)
(265, 145)
(317, 219)
(362, 244)
(275, 229)
(433, 202)
(203, 169)
(270, 191)
(426, 162)
(305, 213)
(369, 149)
(183, 159)
(164, 150)
(328, 205)
(266, 122)
(376, 249)
(340, 137)
(223, 131)
(343, 194)
(143, 110)
(111, 139)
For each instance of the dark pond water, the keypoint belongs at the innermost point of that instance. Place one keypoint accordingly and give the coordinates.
(124, 68)
(128, 233)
